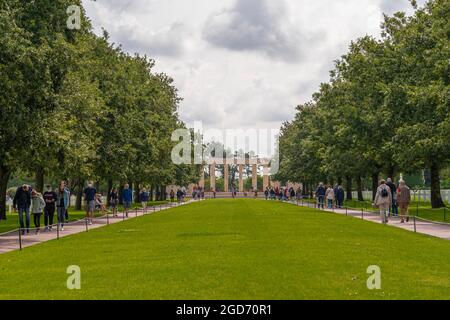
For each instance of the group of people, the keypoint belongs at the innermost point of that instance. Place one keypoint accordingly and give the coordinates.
(388, 198)
(334, 196)
(28, 201)
(283, 193)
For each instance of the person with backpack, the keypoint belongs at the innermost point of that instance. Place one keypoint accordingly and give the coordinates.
(383, 200)
(403, 200)
(320, 196)
(37, 207)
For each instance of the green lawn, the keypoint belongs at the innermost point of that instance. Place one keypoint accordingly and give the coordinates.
(233, 249)
(12, 221)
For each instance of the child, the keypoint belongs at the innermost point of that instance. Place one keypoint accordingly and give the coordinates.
(37, 207)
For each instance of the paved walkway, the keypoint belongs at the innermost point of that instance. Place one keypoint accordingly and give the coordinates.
(435, 229)
(12, 241)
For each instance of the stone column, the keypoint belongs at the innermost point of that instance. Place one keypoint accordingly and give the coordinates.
(225, 178)
(212, 173)
(255, 176)
(241, 178)
(266, 182)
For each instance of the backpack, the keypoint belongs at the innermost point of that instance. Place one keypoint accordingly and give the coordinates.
(384, 193)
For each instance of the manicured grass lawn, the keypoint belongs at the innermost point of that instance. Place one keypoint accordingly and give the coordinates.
(12, 221)
(233, 249)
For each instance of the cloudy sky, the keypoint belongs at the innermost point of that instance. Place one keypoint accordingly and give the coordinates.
(241, 63)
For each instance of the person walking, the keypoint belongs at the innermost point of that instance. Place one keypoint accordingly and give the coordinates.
(50, 207)
(62, 203)
(266, 193)
(393, 188)
(22, 203)
(340, 196)
(172, 195)
(89, 199)
(320, 195)
(404, 200)
(37, 207)
(114, 201)
(127, 198)
(383, 200)
(144, 197)
(329, 195)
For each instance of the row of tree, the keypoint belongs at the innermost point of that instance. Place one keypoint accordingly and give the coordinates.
(385, 110)
(74, 106)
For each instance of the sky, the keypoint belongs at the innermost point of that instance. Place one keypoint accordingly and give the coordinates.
(241, 63)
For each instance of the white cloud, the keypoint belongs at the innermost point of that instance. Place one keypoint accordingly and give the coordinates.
(241, 63)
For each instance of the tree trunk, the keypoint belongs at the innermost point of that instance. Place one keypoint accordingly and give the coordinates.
(360, 192)
(349, 188)
(163, 193)
(79, 200)
(391, 172)
(110, 186)
(39, 179)
(121, 194)
(375, 183)
(4, 178)
(339, 181)
(436, 197)
(136, 193)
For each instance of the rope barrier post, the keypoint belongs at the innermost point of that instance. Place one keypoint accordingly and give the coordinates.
(86, 222)
(107, 219)
(415, 226)
(362, 213)
(346, 211)
(20, 239)
(136, 212)
(123, 215)
(57, 231)
(445, 213)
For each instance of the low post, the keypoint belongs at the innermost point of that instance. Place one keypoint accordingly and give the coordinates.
(107, 219)
(445, 213)
(20, 239)
(362, 214)
(415, 225)
(86, 223)
(136, 212)
(57, 231)
(123, 215)
(346, 211)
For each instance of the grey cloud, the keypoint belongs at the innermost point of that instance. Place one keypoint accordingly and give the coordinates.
(168, 42)
(256, 25)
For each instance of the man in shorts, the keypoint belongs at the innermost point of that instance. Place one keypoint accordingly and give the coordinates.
(89, 198)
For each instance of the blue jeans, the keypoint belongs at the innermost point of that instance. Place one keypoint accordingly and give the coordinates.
(321, 202)
(27, 215)
(330, 204)
(60, 214)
